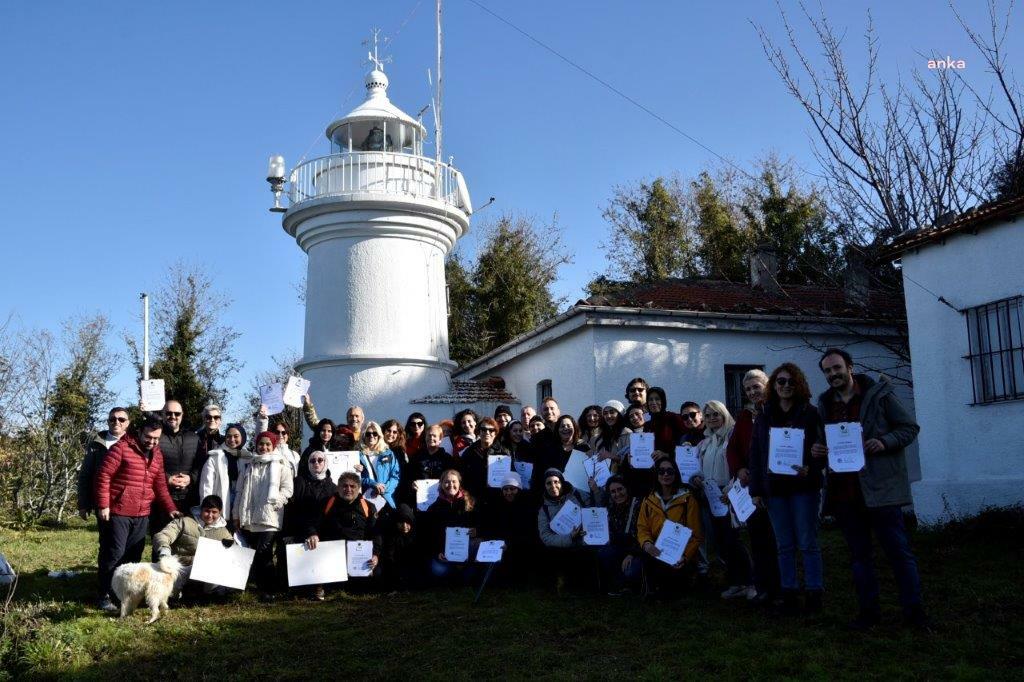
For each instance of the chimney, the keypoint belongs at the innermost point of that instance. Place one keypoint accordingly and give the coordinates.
(764, 269)
(856, 281)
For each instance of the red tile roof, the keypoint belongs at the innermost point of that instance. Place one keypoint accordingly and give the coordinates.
(486, 391)
(703, 295)
(972, 220)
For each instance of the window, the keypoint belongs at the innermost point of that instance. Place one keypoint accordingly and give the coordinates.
(994, 334)
(543, 391)
(734, 397)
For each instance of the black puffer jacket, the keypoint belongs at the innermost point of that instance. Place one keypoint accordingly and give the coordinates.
(180, 451)
(307, 503)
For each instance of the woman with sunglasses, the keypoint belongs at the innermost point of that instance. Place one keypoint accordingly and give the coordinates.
(792, 500)
(670, 501)
(311, 489)
(394, 438)
(473, 463)
(620, 558)
(415, 433)
(379, 469)
(693, 423)
(280, 429)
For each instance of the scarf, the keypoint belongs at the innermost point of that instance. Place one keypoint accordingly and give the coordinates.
(268, 484)
(713, 461)
(314, 475)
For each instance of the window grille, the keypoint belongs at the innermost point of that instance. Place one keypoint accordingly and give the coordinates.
(995, 336)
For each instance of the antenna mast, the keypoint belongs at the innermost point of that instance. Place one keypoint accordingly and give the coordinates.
(437, 101)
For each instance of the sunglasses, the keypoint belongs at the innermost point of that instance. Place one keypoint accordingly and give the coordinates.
(317, 460)
(281, 433)
(691, 415)
(372, 434)
(783, 381)
(212, 417)
(172, 414)
(417, 423)
(636, 389)
(487, 429)
(119, 420)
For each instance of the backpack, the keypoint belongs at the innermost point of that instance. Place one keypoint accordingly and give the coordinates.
(362, 505)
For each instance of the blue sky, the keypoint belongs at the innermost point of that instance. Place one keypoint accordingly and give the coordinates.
(136, 135)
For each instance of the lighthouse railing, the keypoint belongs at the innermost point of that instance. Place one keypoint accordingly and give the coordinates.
(385, 173)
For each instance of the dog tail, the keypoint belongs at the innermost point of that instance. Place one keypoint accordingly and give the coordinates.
(168, 564)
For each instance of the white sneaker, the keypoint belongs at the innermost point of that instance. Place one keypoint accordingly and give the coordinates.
(734, 592)
(750, 592)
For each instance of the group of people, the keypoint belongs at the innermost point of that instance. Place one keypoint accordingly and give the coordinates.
(221, 484)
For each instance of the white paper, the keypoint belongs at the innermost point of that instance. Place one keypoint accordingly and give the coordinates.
(151, 395)
(374, 498)
(490, 551)
(567, 519)
(219, 565)
(498, 469)
(595, 526)
(742, 503)
(714, 496)
(325, 564)
(272, 395)
(641, 450)
(600, 471)
(426, 492)
(340, 462)
(672, 542)
(359, 554)
(575, 472)
(456, 544)
(688, 461)
(785, 451)
(845, 442)
(294, 390)
(525, 471)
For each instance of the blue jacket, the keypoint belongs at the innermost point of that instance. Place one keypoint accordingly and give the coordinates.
(385, 471)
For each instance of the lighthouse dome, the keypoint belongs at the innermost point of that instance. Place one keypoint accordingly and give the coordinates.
(377, 124)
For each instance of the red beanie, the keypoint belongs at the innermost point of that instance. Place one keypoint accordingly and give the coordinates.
(268, 434)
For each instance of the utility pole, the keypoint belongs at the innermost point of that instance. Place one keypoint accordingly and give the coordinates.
(145, 336)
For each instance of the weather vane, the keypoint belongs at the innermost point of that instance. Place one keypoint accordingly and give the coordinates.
(373, 57)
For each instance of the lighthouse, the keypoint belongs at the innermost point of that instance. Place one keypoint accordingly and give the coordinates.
(376, 218)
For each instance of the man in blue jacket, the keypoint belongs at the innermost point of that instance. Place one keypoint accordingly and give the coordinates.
(872, 499)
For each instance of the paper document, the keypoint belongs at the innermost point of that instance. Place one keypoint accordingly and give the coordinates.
(151, 395)
(498, 469)
(575, 472)
(325, 564)
(374, 498)
(567, 519)
(490, 551)
(688, 461)
(600, 471)
(672, 542)
(272, 395)
(525, 471)
(340, 462)
(641, 450)
(294, 390)
(595, 526)
(742, 503)
(785, 451)
(845, 442)
(219, 565)
(360, 552)
(456, 544)
(426, 492)
(714, 497)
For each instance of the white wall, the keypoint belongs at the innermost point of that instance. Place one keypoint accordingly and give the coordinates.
(971, 455)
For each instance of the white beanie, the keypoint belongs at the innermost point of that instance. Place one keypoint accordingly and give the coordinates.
(512, 479)
(616, 405)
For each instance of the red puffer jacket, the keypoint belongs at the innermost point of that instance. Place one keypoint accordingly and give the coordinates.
(129, 482)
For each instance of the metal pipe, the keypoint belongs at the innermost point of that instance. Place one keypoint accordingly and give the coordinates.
(145, 336)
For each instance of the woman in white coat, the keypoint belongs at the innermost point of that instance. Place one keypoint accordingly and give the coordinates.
(220, 472)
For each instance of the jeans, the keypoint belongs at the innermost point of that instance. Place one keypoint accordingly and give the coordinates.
(263, 562)
(857, 522)
(122, 540)
(610, 557)
(795, 522)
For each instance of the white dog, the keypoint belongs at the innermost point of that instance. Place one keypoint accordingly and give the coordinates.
(153, 582)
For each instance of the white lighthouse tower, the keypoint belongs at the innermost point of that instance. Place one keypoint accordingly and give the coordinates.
(376, 218)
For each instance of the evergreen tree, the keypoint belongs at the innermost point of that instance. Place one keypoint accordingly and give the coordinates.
(463, 340)
(723, 241)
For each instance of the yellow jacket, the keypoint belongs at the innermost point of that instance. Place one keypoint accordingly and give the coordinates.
(682, 508)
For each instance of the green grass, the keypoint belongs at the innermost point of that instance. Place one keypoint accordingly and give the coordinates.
(972, 574)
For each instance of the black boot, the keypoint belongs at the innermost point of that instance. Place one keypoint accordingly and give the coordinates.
(790, 604)
(812, 602)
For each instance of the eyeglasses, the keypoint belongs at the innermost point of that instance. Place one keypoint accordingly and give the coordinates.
(317, 460)
(783, 381)
(211, 417)
(168, 413)
(691, 415)
(119, 420)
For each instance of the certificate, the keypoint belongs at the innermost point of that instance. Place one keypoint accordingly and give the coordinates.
(375, 499)
(714, 497)
(595, 526)
(641, 450)
(672, 541)
(272, 395)
(490, 551)
(294, 390)
(688, 461)
(742, 503)
(219, 565)
(426, 492)
(325, 564)
(151, 395)
(567, 519)
(340, 462)
(360, 552)
(845, 442)
(600, 471)
(525, 471)
(575, 472)
(498, 469)
(785, 451)
(456, 544)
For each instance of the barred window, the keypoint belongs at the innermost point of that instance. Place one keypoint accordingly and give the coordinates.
(996, 339)
(543, 391)
(734, 395)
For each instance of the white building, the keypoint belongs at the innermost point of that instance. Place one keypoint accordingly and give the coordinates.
(376, 218)
(964, 287)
